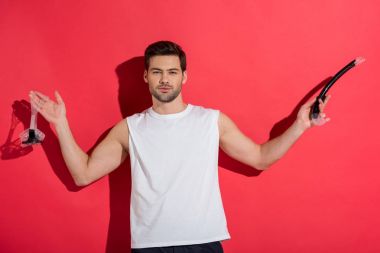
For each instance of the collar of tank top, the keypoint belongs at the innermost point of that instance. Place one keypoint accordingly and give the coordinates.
(171, 115)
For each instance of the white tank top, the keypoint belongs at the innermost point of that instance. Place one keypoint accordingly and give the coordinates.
(175, 196)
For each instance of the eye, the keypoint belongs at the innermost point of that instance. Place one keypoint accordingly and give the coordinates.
(156, 72)
(172, 72)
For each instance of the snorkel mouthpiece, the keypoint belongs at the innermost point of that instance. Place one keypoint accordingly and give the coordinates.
(314, 112)
(32, 135)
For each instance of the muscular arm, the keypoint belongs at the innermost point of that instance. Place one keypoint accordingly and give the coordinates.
(85, 169)
(261, 156)
(243, 149)
(106, 156)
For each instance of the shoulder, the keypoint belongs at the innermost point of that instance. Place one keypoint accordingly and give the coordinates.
(206, 111)
(121, 127)
(225, 123)
(222, 119)
(120, 133)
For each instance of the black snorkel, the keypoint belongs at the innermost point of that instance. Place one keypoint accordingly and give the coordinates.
(314, 112)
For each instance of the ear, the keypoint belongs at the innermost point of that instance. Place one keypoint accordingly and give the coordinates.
(184, 79)
(145, 76)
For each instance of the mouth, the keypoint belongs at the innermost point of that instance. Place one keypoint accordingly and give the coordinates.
(164, 89)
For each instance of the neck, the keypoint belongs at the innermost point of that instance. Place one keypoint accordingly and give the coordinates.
(175, 106)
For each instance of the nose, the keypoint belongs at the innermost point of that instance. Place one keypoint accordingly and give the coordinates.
(164, 78)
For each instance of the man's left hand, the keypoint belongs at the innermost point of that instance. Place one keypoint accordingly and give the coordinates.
(303, 116)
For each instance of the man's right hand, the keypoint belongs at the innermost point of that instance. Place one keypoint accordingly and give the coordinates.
(85, 169)
(53, 112)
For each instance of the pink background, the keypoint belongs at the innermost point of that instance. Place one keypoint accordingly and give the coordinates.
(253, 60)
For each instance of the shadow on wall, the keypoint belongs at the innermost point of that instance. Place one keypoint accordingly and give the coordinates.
(133, 97)
(13, 149)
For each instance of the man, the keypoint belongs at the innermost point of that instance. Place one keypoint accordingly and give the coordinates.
(173, 146)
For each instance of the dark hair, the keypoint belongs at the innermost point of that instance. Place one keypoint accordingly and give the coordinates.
(165, 48)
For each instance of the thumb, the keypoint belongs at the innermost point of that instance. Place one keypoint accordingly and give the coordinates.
(58, 97)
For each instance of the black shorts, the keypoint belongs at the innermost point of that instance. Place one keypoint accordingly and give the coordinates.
(211, 247)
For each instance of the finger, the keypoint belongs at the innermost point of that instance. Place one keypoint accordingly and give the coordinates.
(308, 104)
(320, 121)
(326, 100)
(33, 97)
(42, 96)
(324, 103)
(37, 102)
(324, 119)
(58, 97)
(321, 105)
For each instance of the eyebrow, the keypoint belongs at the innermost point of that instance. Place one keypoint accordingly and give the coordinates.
(171, 69)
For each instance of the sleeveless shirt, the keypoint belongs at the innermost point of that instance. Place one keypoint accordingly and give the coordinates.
(175, 198)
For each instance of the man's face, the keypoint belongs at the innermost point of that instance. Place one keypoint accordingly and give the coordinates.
(165, 77)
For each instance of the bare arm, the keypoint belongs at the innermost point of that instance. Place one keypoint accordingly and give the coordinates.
(106, 156)
(261, 156)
